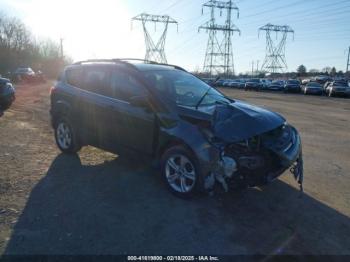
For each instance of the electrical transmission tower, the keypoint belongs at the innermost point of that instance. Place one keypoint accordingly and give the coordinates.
(155, 52)
(219, 53)
(275, 58)
(348, 63)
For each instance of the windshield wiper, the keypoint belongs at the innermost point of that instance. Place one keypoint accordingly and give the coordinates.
(200, 100)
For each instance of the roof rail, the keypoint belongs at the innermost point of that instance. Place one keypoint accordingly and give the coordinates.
(124, 61)
(175, 66)
(135, 59)
(106, 60)
(149, 62)
(93, 61)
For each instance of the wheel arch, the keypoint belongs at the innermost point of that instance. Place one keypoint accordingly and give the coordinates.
(171, 143)
(60, 108)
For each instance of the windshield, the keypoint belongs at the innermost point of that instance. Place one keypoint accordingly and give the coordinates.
(254, 80)
(184, 88)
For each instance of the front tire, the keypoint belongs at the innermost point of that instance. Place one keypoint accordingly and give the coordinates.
(180, 171)
(65, 136)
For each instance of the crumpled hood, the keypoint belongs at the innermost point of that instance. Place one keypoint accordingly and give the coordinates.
(238, 121)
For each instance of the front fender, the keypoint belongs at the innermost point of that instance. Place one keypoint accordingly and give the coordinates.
(190, 135)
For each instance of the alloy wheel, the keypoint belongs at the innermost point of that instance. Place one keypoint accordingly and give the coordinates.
(64, 135)
(180, 173)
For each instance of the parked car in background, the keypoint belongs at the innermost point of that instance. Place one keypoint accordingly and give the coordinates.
(209, 81)
(313, 88)
(227, 83)
(235, 83)
(27, 74)
(276, 85)
(198, 136)
(219, 83)
(253, 84)
(305, 81)
(242, 83)
(24, 74)
(337, 88)
(292, 85)
(265, 83)
(322, 79)
(7, 94)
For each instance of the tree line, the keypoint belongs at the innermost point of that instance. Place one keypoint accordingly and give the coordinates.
(19, 48)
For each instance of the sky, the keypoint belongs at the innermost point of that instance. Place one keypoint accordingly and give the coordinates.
(103, 29)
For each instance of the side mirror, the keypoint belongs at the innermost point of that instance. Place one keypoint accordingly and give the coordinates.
(140, 101)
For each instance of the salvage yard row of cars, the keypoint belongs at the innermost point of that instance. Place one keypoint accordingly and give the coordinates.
(20, 75)
(317, 86)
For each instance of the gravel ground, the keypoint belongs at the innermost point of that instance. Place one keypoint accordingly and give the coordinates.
(98, 203)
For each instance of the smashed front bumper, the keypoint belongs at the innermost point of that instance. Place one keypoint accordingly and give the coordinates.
(272, 155)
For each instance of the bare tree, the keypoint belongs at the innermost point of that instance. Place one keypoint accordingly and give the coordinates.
(18, 47)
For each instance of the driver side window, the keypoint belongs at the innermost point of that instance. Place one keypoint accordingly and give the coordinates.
(124, 86)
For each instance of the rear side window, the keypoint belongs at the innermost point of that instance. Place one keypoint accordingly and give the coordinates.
(74, 77)
(97, 80)
(124, 86)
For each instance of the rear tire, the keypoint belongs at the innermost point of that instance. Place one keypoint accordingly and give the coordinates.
(181, 172)
(65, 136)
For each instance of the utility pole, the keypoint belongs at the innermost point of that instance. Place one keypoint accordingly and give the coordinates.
(155, 52)
(252, 68)
(275, 58)
(257, 67)
(219, 54)
(61, 47)
(348, 63)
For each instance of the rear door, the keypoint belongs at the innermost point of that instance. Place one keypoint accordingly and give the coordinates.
(134, 125)
(94, 104)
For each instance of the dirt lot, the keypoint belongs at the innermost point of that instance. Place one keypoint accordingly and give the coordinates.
(97, 203)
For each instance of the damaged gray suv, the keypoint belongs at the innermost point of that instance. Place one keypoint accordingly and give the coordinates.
(198, 137)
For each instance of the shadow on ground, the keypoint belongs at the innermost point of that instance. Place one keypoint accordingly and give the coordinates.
(121, 208)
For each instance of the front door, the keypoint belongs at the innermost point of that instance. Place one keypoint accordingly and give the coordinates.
(135, 124)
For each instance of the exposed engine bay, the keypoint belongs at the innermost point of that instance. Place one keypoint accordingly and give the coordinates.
(259, 159)
(256, 145)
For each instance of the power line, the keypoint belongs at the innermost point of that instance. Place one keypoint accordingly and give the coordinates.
(172, 5)
(302, 14)
(155, 52)
(276, 8)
